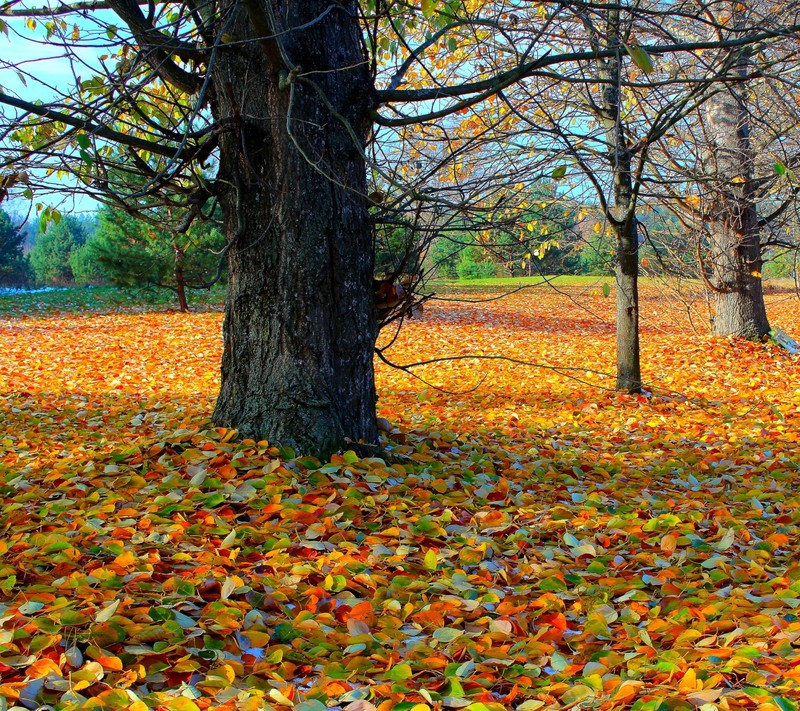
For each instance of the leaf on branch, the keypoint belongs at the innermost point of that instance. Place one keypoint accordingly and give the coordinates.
(429, 8)
(640, 58)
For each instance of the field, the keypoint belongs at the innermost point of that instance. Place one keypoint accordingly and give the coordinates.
(532, 539)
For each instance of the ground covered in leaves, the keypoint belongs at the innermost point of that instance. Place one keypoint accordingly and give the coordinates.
(533, 540)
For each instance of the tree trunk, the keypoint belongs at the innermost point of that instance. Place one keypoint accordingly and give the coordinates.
(180, 278)
(300, 322)
(629, 374)
(623, 217)
(733, 224)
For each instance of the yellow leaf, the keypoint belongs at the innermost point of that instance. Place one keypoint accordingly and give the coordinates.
(689, 682)
(278, 697)
(126, 559)
(668, 543)
(179, 703)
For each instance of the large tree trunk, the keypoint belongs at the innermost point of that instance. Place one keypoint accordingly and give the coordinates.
(300, 323)
(622, 217)
(733, 225)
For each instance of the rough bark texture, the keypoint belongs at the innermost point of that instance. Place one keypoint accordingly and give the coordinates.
(733, 225)
(623, 219)
(300, 319)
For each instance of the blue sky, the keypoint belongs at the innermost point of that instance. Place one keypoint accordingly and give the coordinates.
(48, 75)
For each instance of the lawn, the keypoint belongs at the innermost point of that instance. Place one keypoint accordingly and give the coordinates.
(531, 540)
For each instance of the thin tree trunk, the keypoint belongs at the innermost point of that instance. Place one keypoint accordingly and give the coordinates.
(623, 217)
(733, 225)
(300, 321)
(180, 278)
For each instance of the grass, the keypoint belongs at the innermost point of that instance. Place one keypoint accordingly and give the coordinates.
(101, 299)
(560, 279)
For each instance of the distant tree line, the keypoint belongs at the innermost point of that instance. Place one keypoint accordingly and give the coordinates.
(111, 247)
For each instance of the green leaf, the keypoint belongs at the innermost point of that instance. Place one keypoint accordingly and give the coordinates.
(83, 140)
(107, 612)
(335, 583)
(553, 584)
(784, 704)
(284, 632)
(447, 634)
(431, 560)
(640, 58)
(606, 289)
(30, 607)
(214, 499)
(310, 705)
(559, 172)
(780, 169)
(466, 669)
(558, 661)
(429, 7)
(576, 693)
(350, 457)
(399, 672)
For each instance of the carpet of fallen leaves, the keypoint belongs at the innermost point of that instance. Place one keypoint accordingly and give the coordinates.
(533, 540)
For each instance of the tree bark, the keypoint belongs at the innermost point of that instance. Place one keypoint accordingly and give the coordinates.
(733, 223)
(180, 278)
(300, 321)
(622, 217)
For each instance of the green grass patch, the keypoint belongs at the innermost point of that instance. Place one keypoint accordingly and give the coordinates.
(557, 279)
(101, 299)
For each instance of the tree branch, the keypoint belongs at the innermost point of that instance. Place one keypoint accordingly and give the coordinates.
(158, 47)
(90, 128)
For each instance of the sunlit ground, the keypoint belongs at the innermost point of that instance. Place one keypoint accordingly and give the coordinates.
(532, 540)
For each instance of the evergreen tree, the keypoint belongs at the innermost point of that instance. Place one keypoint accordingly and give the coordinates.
(14, 269)
(132, 252)
(50, 256)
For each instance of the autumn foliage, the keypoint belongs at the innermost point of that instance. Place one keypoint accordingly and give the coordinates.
(532, 540)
